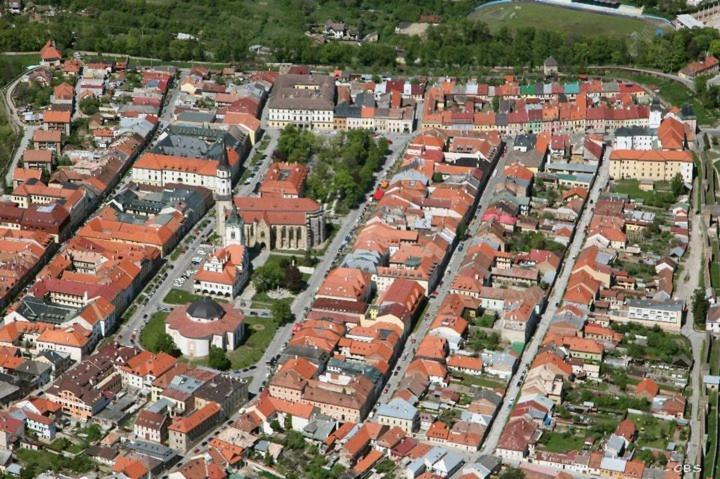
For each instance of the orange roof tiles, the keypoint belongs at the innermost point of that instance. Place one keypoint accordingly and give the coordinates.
(652, 155)
(195, 419)
(284, 179)
(56, 116)
(345, 283)
(49, 52)
(76, 337)
(465, 362)
(432, 347)
(647, 388)
(132, 468)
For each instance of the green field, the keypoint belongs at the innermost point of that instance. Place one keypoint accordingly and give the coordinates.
(179, 296)
(154, 328)
(258, 334)
(570, 20)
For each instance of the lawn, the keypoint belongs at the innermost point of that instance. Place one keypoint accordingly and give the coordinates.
(561, 442)
(711, 430)
(36, 462)
(263, 301)
(573, 21)
(178, 296)
(485, 321)
(479, 381)
(659, 197)
(259, 333)
(154, 328)
(653, 432)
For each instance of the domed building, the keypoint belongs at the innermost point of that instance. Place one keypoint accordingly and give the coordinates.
(205, 323)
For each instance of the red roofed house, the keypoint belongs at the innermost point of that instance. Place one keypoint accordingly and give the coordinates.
(285, 180)
(707, 65)
(224, 273)
(130, 467)
(47, 140)
(141, 370)
(38, 160)
(184, 431)
(647, 388)
(57, 120)
(50, 55)
(517, 439)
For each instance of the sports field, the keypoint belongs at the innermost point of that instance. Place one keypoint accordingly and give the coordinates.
(571, 20)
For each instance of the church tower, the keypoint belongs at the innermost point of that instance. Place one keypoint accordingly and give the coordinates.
(234, 229)
(223, 193)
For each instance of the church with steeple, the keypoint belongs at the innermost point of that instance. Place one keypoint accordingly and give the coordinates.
(223, 195)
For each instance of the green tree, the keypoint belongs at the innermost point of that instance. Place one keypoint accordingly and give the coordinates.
(700, 306)
(217, 359)
(676, 185)
(512, 473)
(646, 456)
(267, 277)
(89, 105)
(281, 312)
(166, 344)
(288, 422)
(294, 440)
(293, 279)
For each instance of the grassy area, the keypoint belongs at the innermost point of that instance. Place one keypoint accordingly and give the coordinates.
(479, 381)
(263, 301)
(711, 427)
(178, 296)
(259, 333)
(485, 321)
(672, 92)
(653, 432)
(561, 442)
(573, 21)
(35, 462)
(715, 276)
(714, 357)
(660, 196)
(154, 328)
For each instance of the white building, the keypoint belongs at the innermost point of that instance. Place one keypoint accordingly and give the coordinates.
(635, 138)
(205, 323)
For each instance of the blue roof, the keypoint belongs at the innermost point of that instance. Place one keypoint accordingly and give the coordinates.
(571, 88)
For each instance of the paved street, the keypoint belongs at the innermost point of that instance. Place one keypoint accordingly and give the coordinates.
(304, 299)
(181, 264)
(17, 124)
(685, 288)
(555, 297)
(497, 176)
(27, 134)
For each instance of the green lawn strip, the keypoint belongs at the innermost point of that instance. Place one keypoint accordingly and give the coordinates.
(714, 357)
(711, 448)
(561, 442)
(154, 329)
(178, 296)
(485, 321)
(481, 381)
